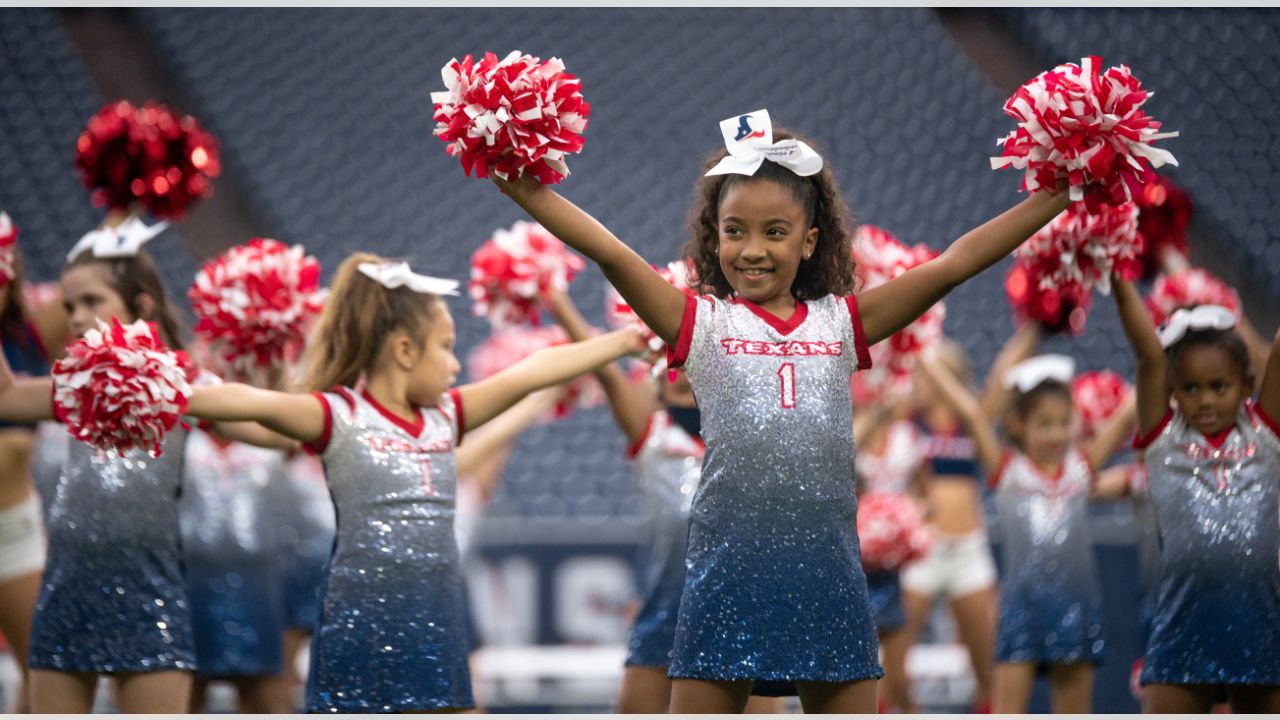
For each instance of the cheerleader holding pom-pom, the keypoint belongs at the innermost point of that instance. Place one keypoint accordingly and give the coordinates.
(1212, 459)
(774, 590)
(385, 422)
(112, 517)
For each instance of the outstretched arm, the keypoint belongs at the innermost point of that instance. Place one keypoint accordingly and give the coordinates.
(27, 400)
(953, 392)
(655, 300)
(482, 401)
(630, 407)
(232, 405)
(1113, 433)
(1023, 344)
(495, 439)
(1152, 383)
(888, 308)
(1269, 395)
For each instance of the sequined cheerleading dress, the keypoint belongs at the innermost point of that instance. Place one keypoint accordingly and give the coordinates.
(1217, 615)
(113, 597)
(775, 589)
(232, 556)
(667, 461)
(1050, 602)
(392, 634)
(890, 472)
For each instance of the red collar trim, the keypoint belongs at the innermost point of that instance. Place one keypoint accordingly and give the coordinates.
(784, 327)
(1218, 439)
(413, 428)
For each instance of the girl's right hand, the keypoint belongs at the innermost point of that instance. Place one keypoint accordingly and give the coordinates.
(521, 189)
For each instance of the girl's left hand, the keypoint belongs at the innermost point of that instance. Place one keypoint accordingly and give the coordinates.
(522, 187)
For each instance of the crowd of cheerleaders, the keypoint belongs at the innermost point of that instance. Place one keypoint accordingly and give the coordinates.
(207, 557)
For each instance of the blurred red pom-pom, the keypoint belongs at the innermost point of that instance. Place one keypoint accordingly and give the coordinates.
(1063, 309)
(147, 155)
(507, 346)
(511, 117)
(891, 530)
(1097, 395)
(257, 301)
(38, 295)
(1189, 288)
(8, 249)
(619, 313)
(120, 388)
(1079, 250)
(880, 257)
(1164, 216)
(1084, 126)
(512, 271)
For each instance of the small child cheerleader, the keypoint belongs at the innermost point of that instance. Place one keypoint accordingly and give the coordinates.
(774, 589)
(392, 634)
(1212, 461)
(1050, 603)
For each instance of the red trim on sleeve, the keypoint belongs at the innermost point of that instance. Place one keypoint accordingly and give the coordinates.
(993, 482)
(320, 444)
(676, 357)
(206, 425)
(860, 348)
(457, 411)
(346, 395)
(1266, 419)
(634, 448)
(1142, 442)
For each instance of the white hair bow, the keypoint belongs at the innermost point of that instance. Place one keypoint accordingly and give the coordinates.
(398, 274)
(1202, 317)
(750, 141)
(1028, 374)
(124, 240)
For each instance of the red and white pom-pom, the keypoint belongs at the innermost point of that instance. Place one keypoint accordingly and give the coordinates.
(619, 313)
(1097, 396)
(1079, 250)
(1087, 127)
(880, 257)
(512, 271)
(1189, 288)
(147, 155)
(891, 530)
(120, 388)
(507, 346)
(1164, 216)
(511, 117)
(1061, 309)
(257, 300)
(8, 249)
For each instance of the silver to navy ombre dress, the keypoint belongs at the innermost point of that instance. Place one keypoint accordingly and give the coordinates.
(113, 597)
(1217, 617)
(1050, 602)
(392, 634)
(775, 589)
(232, 556)
(667, 462)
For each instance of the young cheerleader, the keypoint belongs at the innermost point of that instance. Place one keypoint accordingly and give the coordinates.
(1212, 461)
(1050, 614)
(774, 589)
(392, 633)
(112, 598)
(27, 334)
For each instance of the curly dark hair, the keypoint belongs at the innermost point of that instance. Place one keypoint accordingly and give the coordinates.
(828, 272)
(1228, 341)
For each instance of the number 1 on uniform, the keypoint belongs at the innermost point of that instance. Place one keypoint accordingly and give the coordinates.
(787, 374)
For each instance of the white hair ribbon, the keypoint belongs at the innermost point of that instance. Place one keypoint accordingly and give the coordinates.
(393, 275)
(1202, 317)
(1028, 374)
(124, 240)
(749, 139)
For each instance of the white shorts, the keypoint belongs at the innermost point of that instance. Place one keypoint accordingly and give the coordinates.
(956, 565)
(22, 542)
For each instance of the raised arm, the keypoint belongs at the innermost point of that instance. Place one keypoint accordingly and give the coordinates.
(892, 306)
(1023, 344)
(233, 405)
(1269, 395)
(482, 401)
(655, 300)
(631, 408)
(1152, 382)
(27, 400)
(951, 391)
(495, 438)
(1112, 434)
